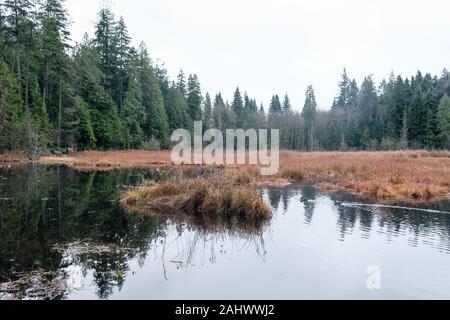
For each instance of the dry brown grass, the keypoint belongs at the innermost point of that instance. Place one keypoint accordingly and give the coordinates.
(11, 158)
(108, 160)
(408, 176)
(218, 202)
(403, 176)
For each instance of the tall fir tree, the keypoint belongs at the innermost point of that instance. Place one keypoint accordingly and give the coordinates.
(431, 139)
(238, 108)
(220, 113)
(156, 125)
(3, 44)
(133, 111)
(177, 109)
(207, 112)
(53, 40)
(367, 104)
(309, 113)
(105, 42)
(275, 105)
(17, 21)
(443, 115)
(417, 116)
(10, 110)
(343, 99)
(194, 98)
(181, 83)
(107, 126)
(287, 107)
(122, 42)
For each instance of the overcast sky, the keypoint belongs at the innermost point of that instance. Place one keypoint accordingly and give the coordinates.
(279, 46)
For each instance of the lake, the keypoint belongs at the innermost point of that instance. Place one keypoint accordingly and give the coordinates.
(67, 228)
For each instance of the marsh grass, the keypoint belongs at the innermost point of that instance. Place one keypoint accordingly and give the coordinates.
(213, 203)
(412, 177)
(12, 157)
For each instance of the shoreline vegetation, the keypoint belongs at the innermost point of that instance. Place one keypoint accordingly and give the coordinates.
(397, 177)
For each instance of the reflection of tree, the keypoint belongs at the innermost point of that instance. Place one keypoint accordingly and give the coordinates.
(394, 222)
(274, 197)
(92, 213)
(309, 195)
(193, 245)
(286, 195)
(44, 210)
(366, 220)
(58, 217)
(24, 214)
(347, 218)
(48, 206)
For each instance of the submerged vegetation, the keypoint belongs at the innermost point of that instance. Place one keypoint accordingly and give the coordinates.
(215, 203)
(37, 284)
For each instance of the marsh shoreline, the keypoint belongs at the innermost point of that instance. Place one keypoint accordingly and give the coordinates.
(396, 177)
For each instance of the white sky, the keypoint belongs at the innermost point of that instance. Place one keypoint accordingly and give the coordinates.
(278, 46)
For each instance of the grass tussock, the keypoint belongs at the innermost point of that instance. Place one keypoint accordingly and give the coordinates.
(218, 202)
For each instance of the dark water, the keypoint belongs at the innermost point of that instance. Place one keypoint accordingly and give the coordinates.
(318, 246)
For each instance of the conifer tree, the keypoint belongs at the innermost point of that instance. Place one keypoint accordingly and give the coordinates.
(133, 111)
(156, 125)
(122, 42)
(181, 84)
(207, 112)
(105, 94)
(3, 44)
(86, 140)
(275, 105)
(368, 103)
(287, 107)
(238, 108)
(177, 109)
(17, 19)
(343, 99)
(105, 42)
(309, 114)
(10, 110)
(443, 116)
(417, 116)
(39, 113)
(108, 130)
(54, 70)
(431, 121)
(194, 98)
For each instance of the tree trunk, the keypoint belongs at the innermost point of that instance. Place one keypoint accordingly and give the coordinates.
(58, 142)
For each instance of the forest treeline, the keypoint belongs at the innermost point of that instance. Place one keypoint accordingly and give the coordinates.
(103, 93)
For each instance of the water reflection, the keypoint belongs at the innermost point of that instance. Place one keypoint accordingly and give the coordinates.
(430, 226)
(44, 207)
(69, 225)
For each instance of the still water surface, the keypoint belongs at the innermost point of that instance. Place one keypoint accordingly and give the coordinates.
(317, 246)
